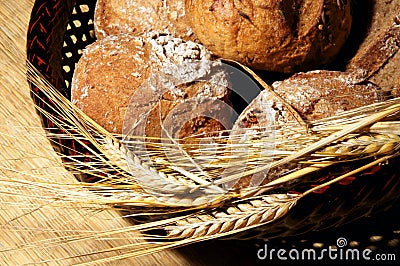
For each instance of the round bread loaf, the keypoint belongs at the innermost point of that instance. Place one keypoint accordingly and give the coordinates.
(274, 35)
(140, 16)
(314, 95)
(109, 76)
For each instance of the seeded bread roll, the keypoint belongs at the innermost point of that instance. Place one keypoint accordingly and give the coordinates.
(141, 16)
(273, 35)
(109, 76)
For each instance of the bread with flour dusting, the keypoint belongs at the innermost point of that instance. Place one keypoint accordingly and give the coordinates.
(110, 77)
(140, 16)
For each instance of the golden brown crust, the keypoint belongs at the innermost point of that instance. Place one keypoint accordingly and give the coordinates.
(111, 71)
(283, 36)
(141, 16)
(100, 88)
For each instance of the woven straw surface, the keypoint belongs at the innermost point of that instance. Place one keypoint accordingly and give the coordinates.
(25, 154)
(24, 149)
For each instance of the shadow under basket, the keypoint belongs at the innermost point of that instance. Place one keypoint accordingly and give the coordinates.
(59, 30)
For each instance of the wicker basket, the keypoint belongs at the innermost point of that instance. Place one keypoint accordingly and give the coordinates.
(58, 32)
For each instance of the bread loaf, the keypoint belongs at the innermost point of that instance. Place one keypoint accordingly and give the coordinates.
(374, 44)
(273, 35)
(109, 76)
(314, 95)
(141, 16)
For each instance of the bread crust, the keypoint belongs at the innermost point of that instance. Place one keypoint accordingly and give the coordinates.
(320, 94)
(141, 16)
(274, 35)
(314, 95)
(109, 78)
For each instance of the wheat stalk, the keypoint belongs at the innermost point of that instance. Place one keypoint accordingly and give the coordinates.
(173, 184)
(48, 214)
(324, 143)
(236, 218)
(249, 213)
(162, 186)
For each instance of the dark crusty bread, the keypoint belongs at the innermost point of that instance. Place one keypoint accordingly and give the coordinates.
(141, 16)
(320, 94)
(377, 57)
(112, 70)
(283, 36)
(314, 95)
(194, 107)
